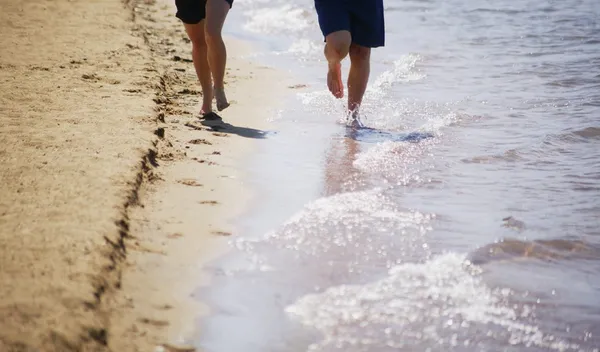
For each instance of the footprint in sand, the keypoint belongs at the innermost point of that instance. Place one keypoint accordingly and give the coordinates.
(153, 322)
(189, 91)
(91, 77)
(175, 348)
(195, 127)
(202, 161)
(179, 58)
(200, 141)
(190, 182)
(210, 202)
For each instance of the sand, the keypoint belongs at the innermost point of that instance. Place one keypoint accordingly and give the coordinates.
(114, 194)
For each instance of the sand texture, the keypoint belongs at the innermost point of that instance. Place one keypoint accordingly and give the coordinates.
(113, 193)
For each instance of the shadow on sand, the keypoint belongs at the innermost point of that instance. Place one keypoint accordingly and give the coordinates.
(218, 125)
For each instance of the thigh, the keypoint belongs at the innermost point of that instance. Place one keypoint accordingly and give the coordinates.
(367, 23)
(196, 33)
(190, 11)
(340, 40)
(333, 16)
(216, 12)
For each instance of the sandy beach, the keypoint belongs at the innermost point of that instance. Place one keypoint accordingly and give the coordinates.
(114, 193)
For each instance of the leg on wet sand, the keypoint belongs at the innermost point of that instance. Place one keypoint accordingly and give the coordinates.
(199, 55)
(216, 12)
(358, 77)
(336, 49)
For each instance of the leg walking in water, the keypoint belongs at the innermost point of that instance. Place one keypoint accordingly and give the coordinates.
(203, 21)
(351, 28)
(358, 77)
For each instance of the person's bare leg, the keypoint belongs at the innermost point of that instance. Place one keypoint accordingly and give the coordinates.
(358, 77)
(199, 55)
(336, 49)
(216, 11)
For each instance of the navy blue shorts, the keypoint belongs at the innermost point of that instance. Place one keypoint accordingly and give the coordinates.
(193, 11)
(362, 18)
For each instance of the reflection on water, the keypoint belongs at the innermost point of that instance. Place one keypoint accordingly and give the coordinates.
(465, 216)
(340, 169)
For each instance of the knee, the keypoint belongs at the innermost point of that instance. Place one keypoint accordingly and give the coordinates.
(339, 44)
(196, 36)
(199, 43)
(213, 35)
(339, 48)
(359, 53)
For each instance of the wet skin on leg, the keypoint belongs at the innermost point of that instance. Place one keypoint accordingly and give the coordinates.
(358, 77)
(336, 49)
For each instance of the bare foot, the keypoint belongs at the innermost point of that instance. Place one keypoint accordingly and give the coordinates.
(222, 102)
(206, 104)
(334, 80)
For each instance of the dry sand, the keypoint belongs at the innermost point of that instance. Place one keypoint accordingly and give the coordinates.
(113, 194)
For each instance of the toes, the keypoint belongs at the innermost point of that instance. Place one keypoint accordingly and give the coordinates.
(222, 107)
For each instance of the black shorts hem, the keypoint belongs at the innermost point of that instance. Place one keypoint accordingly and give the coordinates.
(193, 11)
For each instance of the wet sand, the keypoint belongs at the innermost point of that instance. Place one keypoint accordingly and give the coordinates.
(113, 192)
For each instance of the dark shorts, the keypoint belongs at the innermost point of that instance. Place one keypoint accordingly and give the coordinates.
(362, 18)
(193, 11)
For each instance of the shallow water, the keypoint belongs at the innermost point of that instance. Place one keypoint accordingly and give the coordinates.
(483, 125)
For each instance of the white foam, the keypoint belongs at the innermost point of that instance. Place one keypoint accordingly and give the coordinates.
(441, 302)
(283, 19)
(403, 71)
(437, 122)
(386, 155)
(349, 220)
(306, 47)
(399, 162)
(321, 102)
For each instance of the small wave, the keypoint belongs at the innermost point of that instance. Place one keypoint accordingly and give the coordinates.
(499, 11)
(581, 135)
(441, 302)
(436, 122)
(403, 71)
(407, 8)
(398, 159)
(513, 249)
(354, 220)
(511, 155)
(573, 82)
(589, 132)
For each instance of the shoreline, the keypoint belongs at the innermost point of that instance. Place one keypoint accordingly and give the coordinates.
(187, 217)
(137, 219)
